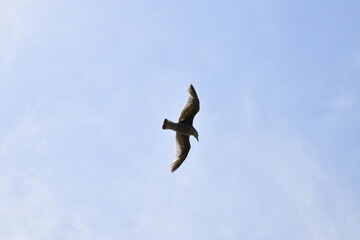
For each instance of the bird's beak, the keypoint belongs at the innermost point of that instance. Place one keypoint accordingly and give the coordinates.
(197, 138)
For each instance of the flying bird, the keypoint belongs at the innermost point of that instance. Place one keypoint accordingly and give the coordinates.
(184, 128)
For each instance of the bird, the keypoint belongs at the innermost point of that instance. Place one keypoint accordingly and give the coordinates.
(184, 128)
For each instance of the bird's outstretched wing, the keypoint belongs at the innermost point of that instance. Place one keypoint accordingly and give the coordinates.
(192, 106)
(182, 150)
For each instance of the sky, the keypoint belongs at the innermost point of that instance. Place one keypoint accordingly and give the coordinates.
(84, 89)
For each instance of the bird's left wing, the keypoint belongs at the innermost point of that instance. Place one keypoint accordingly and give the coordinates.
(182, 150)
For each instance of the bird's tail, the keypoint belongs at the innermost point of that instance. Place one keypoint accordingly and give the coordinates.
(166, 124)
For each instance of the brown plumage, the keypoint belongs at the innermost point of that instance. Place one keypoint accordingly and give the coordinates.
(184, 128)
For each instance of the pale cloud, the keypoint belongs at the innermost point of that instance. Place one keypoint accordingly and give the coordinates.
(14, 27)
(301, 191)
(344, 101)
(19, 22)
(28, 206)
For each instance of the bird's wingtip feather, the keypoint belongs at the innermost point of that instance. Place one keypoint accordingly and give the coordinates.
(175, 165)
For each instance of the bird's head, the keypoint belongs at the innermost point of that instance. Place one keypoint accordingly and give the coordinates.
(196, 136)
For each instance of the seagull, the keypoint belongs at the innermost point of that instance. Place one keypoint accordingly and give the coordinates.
(184, 128)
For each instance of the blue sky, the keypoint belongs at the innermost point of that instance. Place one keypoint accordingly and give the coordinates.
(85, 86)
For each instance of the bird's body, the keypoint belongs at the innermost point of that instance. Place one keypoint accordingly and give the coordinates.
(184, 128)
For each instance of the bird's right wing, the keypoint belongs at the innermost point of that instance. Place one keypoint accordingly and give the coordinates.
(182, 150)
(192, 106)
